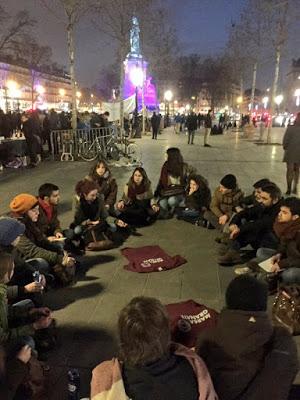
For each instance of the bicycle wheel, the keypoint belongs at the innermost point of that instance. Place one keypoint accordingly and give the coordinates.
(113, 152)
(87, 151)
(134, 154)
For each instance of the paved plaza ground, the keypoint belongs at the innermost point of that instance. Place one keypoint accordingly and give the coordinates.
(87, 312)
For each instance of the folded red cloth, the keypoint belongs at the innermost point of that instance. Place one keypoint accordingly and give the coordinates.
(150, 259)
(188, 319)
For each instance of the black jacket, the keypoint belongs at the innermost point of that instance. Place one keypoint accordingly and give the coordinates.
(199, 199)
(258, 219)
(192, 122)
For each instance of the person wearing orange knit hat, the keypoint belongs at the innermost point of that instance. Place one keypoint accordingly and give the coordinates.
(34, 244)
(22, 203)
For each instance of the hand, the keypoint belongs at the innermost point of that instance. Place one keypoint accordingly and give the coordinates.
(107, 206)
(59, 235)
(120, 205)
(275, 268)
(223, 219)
(275, 259)
(234, 233)
(70, 262)
(43, 281)
(191, 191)
(34, 287)
(51, 238)
(94, 223)
(238, 209)
(24, 354)
(155, 208)
(42, 323)
(121, 223)
(41, 311)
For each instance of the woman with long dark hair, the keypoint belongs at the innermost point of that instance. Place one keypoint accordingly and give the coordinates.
(108, 188)
(173, 181)
(137, 207)
(291, 146)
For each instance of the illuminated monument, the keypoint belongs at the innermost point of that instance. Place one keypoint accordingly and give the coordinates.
(136, 72)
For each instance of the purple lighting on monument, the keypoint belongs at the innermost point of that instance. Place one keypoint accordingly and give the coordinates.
(134, 72)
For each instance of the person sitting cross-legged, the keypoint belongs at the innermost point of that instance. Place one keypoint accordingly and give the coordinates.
(149, 366)
(285, 258)
(253, 226)
(197, 200)
(248, 358)
(223, 203)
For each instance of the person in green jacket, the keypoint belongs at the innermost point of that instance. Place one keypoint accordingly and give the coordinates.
(41, 316)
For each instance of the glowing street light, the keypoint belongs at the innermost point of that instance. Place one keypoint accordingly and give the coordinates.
(168, 95)
(136, 75)
(265, 101)
(239, 100)
(278, 99)
(78, 94)
(40, 89)
(188, 107)
(92, 96)
(62, 92)
(297, 94)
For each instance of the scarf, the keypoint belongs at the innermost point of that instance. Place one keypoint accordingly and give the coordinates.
(286, 230)
(134, 190)
(48, 208)
(90, 210)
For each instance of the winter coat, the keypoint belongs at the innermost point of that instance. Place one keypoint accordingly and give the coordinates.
(80, 216)
(208, 121)
(291, 144)
(49, 228)
(225, 203)
(289, 247)
(7, 334)
(147, 195)
(199, 199)
(107, 381)
(108, 187)
(235, 352)
(16, 372)
(259, 219)
(191, 122)
(34, 244)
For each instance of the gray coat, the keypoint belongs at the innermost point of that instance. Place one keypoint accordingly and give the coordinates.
(291, 144)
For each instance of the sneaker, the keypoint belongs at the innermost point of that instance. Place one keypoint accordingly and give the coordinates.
(242, 270)
(207, 145)
(231, 257)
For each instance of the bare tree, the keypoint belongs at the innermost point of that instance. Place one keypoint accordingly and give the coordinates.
(13, 29)
(69, 13)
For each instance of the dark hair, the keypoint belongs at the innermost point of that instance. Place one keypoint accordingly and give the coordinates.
(145, 182)
(200, 180)
(6, 265)
(47, 189)
(174, 162)
(261, 183)
(273, 190)
(85, 186)
(293, 203)
(106, 113)
(144, 331)
(93, 170)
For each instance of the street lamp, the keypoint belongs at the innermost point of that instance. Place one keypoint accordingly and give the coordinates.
(168, 96)
(78, 94)
(62, 92)
(40, 89)
(278, 99)
(188, 107)
(265, 101)
(239, 99)
(297, 94)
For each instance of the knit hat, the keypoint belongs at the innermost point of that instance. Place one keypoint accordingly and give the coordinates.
(229, 181)
(23, 203)
(246, 293)
(10, 229)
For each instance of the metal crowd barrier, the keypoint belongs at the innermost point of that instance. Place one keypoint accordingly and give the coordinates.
(65, 144)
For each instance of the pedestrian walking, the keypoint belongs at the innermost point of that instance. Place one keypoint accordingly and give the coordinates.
(155, 123)
(191, 124)
(291, 146)
(207, 125)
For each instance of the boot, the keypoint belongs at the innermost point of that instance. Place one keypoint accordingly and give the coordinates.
(231, 257)
(100, 245)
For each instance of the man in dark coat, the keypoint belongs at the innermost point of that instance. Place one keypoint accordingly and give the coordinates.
(191, 124)
(155, 122)
(208, 126)
(254, 226)
(31, 133)
(246, 356)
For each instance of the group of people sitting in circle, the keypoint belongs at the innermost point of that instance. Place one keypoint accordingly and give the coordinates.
(36, 253)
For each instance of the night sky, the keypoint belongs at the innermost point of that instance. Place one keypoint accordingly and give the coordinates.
(202, 27)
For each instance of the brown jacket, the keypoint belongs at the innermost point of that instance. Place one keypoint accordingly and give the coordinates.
(225, 203)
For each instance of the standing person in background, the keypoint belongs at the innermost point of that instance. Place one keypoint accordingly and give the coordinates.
(207, 125)
(291, 146)
(155, 122)
(31, 134)
(191, 124)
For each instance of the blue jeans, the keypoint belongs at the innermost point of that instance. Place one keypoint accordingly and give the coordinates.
(171, 202)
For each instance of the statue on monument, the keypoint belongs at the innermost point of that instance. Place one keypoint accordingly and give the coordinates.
(135, 38)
